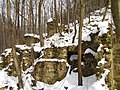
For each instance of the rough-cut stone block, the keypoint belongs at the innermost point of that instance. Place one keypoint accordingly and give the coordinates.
(50, 71)
(28, 40)
(60, 53)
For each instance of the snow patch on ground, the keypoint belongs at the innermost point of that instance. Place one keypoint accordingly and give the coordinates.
(6, 52)
(100, 48)
(9, 81)
(102, 61)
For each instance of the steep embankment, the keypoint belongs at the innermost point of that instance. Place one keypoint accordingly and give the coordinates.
(48, 64)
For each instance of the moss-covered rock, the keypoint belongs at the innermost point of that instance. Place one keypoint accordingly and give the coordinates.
(51, 27)
(60, 53)
(30, 39)
(90, 63)
(49, 71)
(23, 55)
(72, 48)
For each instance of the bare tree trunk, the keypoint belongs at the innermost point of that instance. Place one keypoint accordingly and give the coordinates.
(16, 63)
(39, 22)
(17, 11)
(17, 24)
(35, 27)
(30, 17)
(80, 44)
(9, 22)
(42, 18)
(61, 16)
(68, 14)
(74, 22)
(45, 20)
(3, 26)
(55, 10)
(58, 16)
(22, 20)
(12, 29)
(4, 33)
(24, 23)
(22, 13)
(105, 10)
(65, 16)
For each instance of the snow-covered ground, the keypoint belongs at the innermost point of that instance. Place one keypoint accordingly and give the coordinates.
(70, 81)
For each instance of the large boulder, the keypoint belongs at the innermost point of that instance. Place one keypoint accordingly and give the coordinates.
(31, 39)
(90, 63)
(7, 61)
(56, 52)
(50, 70)
(24, 55)
(51, 27)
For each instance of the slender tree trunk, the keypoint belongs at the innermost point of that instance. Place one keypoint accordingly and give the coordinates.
(105, 10)
(59, 19)
(17, 11)
(45, 20)
(9, 22)
(61, 16)
(22, 20)
(65, 16)
(68, 14)
(39, 22)
(35, 27)
(12, 29)
(16, 63)
(4, 32)
(74, 22)
(3, 26)
(17, 23)
(80, 44)
(55, 10)
(30, 17)
(42, 18)
(22, 13)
